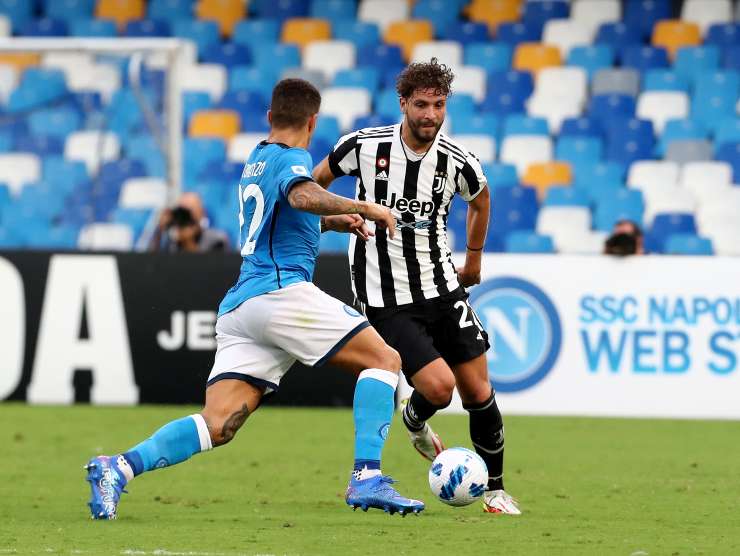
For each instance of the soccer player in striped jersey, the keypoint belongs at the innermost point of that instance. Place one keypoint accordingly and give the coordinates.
(408, 286)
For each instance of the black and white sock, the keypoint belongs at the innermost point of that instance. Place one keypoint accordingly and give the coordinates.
(487, 434)
(418, 411)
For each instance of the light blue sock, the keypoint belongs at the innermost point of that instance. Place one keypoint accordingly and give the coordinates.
(373, 409)
(174, 443)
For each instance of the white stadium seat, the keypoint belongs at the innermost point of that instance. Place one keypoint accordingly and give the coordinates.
(345, 104)
(566, 34)
(471, 80)
(143, 193)
(706, 12)
(8, 81)
(666, 200)
(241, 146)
(700, 173)
(329, 57)
(706, 193)
(523, 150)
(588, 243)
(661, 106)
(723, 229)
(592, 13)
(106, 237)
(447, 52)
(651, 172)
(564, 224)
(5, 27)
(482, 146)
(383, 12)
(209, 78)
(562, 82)
(554, 109)
(17, 169)
(93, 148)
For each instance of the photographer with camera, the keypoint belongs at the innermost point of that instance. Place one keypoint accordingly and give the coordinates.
(626, 239)
(184, 229)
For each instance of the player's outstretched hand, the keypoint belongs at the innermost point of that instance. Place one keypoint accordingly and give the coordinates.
(348, 224)
(381, 216)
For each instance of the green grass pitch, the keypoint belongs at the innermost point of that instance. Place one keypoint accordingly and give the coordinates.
(586, 486)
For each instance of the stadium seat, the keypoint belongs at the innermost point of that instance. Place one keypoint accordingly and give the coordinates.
(241, 146)
(143, 193)
(170, 10)
(661, 106)
(346, 104)
(665, 225)
(685, 151)
(470, 80)
(583, 127)
(329, 57)
(523, 150)
(44, 27)
(644, 58)
(618, 35)
(653, 173)
(220, 124)
(591, 58)
(665, 80)
(282, 10)
(8, 81)
(492, 57)
(624, 81)
(554, 109)
(210, 78)
(438, 12)
(17, 169)
(361, 33)
(463, 32)
(147, 28)
(692, 61)
(618, 204)
(644, 14)
(447, 52)
(543, 175)
(730, 153)
(566, 196)
(92, 28)
(674, 34)
(662, 200)
(383, 12)
(517, 84)
(227, 54)
(494, 14)
(533, 57)
(224, 12)
(562, 82)
(727, 132)
(500, 175)
(460, 105)
(724, 231)
(528, 242)
(704, 174)
(707, 12)
(20, 60)
(579, 150)
(105, 237)
(607, 108)
(367, 77)
(407, 34)
(257, 31)
(517, 33)
(521, 124)
(482, 146)
(724, 35)
(566, 34)
(120, 11)
(5, 26)
(596, 177)
(688, 244)
(333, 9)
(93, 148)
(591, 14)
(203, 33)
(63, 174)
(252, 79)
(542, 11)
(192, 102)
(680, 130)
(251, 107)
(563, 223)
(41, 145)
(301, 31)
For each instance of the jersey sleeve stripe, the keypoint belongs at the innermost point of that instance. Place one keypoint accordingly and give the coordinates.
(339, 154)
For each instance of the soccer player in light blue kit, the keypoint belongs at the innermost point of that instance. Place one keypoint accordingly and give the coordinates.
(274, 316)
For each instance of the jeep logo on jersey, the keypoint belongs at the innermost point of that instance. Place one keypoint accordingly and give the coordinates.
(414, 206)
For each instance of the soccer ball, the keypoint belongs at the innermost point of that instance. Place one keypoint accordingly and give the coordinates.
(458, 476)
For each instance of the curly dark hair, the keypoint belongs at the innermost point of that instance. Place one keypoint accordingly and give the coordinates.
(425, 75)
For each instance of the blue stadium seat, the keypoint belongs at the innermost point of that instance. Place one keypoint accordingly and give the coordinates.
(723, 34)
(170, 10)
(124, 114)
(591, 58)
(464, 32)
(386, 103)
(630, 151)
(6, 141)
(730, 153)
(460, 105)
(439, 12)
(713, 109)
(631, 129)
(518, 84)
(18, 12)
(93, 28)
(87, 102)
(506, 220)
(528, 242)
(146, 150)
(521, 124)
(69, 10)
(712, 83)
(579, 150)
(566, 196)
(115, 172)
(197, 154)
(136, 219)
(582, 127)
(277, 57)
(365, 77)
(252, 108)
(664, 80)
(618, 35)
(501, 175)
(643, 14)
(227, 54)
(42, 145)
(606, 108)
(319, 148)
(373, 120)
(665, 225)
(692, 61)
(256, 32)
(519, 197)
(731, 58)
(203, 33)
(344, 186)
(192, 101)
(680, 130)
(254, 79)
(147, 28)
(594, 176)
(688, 244)
(333, 9)
(480, 123)
(38, 87)
(327, 128)
(57, 122)
(492, 57)
(644, 58)
(519, 32)
(380, 56)
(44, 28)
(540, 12)
(40, 199)
(618, 204)
(63, 174)
(222, 171)
(727, 132)
(362, 33)
(280, 11)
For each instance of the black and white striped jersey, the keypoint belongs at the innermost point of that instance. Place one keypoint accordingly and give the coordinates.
(416, 265)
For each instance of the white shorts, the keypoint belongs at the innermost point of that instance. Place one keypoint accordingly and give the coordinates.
(261, 339)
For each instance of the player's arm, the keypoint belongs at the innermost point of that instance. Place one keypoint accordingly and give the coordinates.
(309, 196)
(474, 189)
(322, 173)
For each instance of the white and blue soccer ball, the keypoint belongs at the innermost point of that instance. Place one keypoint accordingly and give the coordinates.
(458, 476)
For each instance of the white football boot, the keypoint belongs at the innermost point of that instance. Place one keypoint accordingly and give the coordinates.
(426, 442)
(500, 502)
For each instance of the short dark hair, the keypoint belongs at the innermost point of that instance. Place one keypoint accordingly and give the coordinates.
(636, 230)
(425, 75)
(294, 101)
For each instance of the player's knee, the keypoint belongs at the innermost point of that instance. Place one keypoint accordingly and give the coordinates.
(389, 360)
(439, 392)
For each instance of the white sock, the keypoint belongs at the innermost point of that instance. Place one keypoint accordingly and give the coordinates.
(124, 468)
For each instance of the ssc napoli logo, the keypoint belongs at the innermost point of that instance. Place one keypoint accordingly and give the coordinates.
(524, 330)
(352, 312)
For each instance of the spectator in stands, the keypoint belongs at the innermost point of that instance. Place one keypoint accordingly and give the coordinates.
(184, 229)
(625, 239)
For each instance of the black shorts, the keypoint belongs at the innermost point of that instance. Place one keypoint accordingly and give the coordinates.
(444, 327)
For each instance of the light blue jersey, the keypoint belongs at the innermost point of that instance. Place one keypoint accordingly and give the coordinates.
(279, 244)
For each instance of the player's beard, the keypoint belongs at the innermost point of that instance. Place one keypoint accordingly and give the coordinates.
(424, 134)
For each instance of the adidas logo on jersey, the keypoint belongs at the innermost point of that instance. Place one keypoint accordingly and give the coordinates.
(414, 206)
(382, 175)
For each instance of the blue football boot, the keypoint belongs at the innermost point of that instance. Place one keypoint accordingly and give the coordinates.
(377, 492)
(106, 483)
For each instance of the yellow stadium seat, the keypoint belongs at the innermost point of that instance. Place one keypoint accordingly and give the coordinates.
(303, 30)
(543, 175)
(406, 34)
(226, 13)
(534, 56)
(20, 60)
(120, 11)
(494, 12)
(673, 34)
(222, 124)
